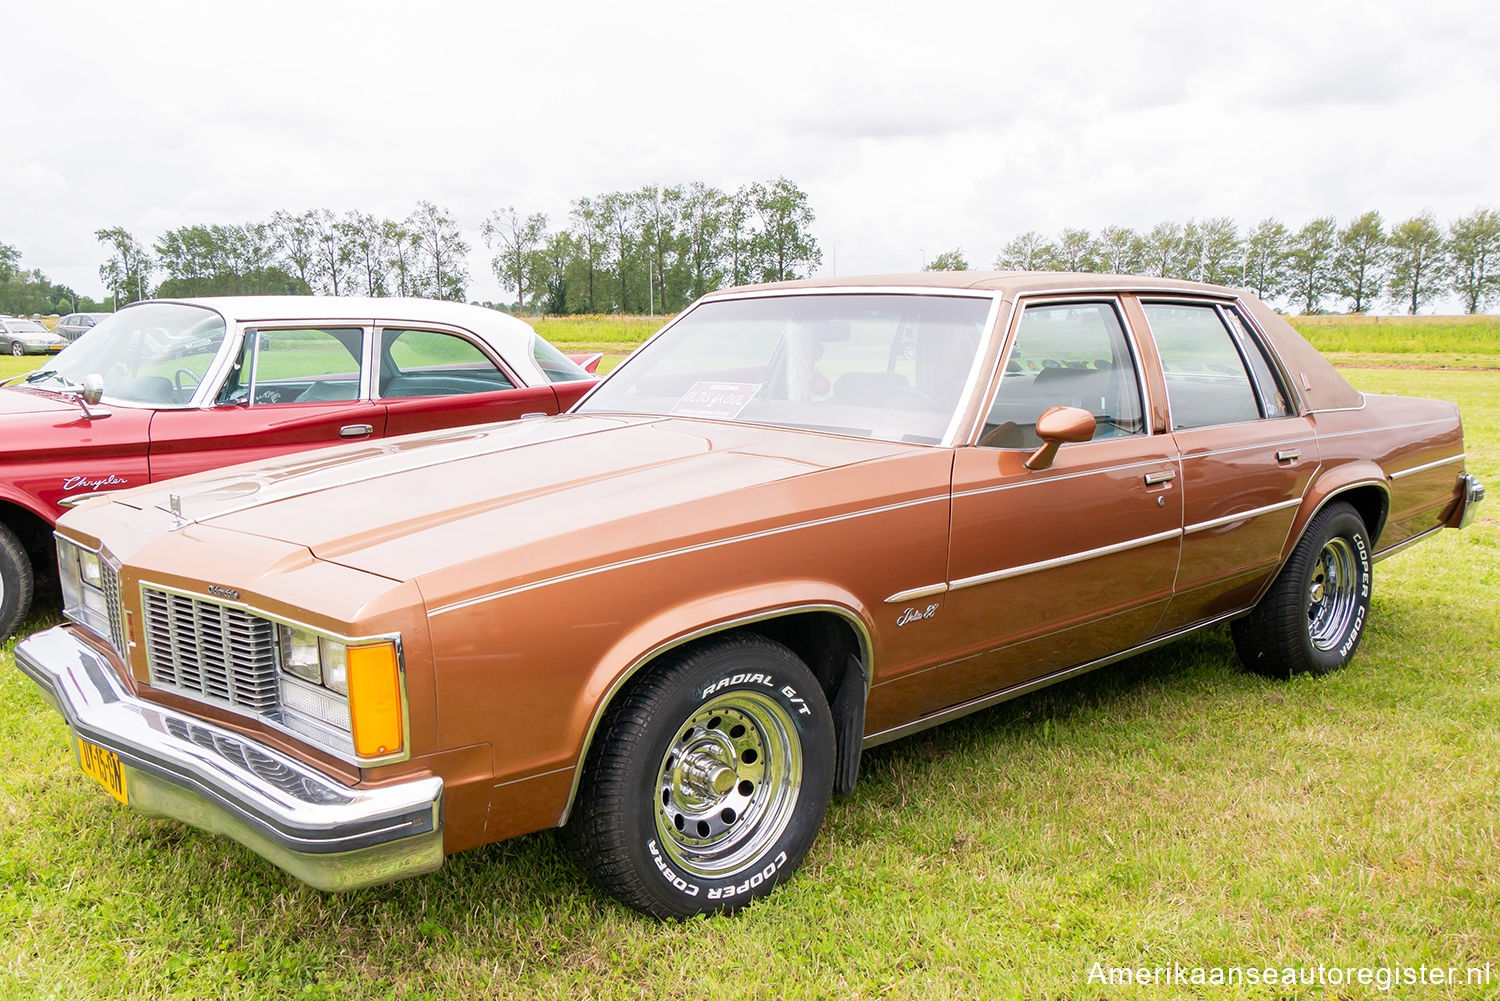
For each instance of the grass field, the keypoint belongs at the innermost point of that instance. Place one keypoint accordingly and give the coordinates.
(1170, 808)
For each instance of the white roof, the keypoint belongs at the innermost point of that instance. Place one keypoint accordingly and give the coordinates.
(509, 337)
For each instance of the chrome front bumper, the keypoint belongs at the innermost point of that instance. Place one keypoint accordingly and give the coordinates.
(326, 834)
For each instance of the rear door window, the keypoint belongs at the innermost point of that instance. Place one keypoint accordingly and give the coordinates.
(433, 363)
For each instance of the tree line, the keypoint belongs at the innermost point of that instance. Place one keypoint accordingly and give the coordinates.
(1358, 265)
(656, 248)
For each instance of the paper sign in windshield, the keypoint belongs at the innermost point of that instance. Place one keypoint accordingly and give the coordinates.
(715, 399)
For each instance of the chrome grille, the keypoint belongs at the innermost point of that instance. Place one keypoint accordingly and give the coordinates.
(210, 650)
(111, 576)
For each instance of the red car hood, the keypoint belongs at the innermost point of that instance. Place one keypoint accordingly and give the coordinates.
(15, 400)
(541, 495)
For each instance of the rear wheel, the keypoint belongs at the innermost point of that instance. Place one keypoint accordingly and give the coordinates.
(17, 348)
(707, 782)
(15, 581)
(1313, 616)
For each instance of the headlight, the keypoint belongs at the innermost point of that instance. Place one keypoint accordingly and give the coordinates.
(299, 654)
(353, 690)
(82, 575)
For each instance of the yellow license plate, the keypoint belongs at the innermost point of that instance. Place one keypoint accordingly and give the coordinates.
(105, 767)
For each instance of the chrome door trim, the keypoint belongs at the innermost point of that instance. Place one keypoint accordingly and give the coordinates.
(1230, 519)
(1062, 561)
(1460, 457)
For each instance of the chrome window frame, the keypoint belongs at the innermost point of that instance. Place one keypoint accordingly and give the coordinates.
(1080, 297)
(1216, 304)
(249, 327)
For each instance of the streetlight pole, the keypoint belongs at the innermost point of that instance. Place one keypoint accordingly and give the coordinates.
(836, 257)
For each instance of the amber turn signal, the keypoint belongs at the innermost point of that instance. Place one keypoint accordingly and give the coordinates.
(375, 700)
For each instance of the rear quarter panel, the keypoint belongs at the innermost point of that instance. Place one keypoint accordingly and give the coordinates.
(1412, 447)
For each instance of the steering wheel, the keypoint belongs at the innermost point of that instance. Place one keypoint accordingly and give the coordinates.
(177, 378)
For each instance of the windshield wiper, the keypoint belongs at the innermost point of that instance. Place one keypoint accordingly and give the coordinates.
(40, 374)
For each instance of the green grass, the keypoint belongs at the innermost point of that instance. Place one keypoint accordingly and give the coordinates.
(1402, 335)
(1170, 807)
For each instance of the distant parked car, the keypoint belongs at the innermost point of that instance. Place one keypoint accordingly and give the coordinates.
(27, 337)
(75, 325)
(163, 388)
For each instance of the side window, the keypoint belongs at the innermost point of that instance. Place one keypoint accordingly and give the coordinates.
(1207, 382)
(1273, 398)
(306, 365)
(1066, 355)
(428, 363)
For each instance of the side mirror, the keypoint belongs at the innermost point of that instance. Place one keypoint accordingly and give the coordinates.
(93, 388)
(1058, 425)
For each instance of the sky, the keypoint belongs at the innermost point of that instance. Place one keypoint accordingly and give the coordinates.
(914, 128)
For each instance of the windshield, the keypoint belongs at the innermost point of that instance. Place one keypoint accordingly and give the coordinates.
(23, 326)
(154, 354)
(883, 366)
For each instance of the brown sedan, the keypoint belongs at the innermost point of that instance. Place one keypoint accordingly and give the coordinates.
(802, 520)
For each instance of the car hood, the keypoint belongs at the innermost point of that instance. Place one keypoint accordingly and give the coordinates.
(16, 400)
(541, 495)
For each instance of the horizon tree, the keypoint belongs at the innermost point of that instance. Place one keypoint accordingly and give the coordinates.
(1221, 251)
(1118, 250)
(1416, 254)
(440, 245)
(949, 260)
(1161, 249)
(1073, 250)
(517, 244)
(128, 270)
(1360, 261)
(786, 245)
(1023, 253)
(1474, 258)
(294, 236)
(1311, 260)
(1268, 258)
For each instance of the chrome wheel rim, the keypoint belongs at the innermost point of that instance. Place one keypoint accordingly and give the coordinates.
(1332, 594)
(728, 784)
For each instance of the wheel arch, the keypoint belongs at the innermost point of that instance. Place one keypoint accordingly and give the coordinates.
(831, 637)
(1361, 485)
(33, 531)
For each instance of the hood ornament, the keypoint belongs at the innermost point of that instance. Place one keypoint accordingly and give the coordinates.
(174, 504)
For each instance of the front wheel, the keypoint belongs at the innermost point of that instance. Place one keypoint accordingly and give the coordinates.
(1312, 617)
(707, 781)
(15, 581)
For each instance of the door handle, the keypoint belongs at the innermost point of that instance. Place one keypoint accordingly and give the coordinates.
(356, 430)
(1289, 455)
(1161, 476)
